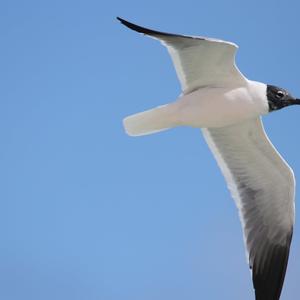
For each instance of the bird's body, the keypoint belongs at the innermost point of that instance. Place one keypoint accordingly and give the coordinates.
(222, 106)
(219, 107)
(217, 98)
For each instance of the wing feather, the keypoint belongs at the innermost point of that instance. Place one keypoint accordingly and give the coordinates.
(263, 187)
(198, 61)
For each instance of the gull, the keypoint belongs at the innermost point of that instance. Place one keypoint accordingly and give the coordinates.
(227, 106)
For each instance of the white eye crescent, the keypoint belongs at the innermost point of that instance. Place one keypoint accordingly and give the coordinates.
(280, 94)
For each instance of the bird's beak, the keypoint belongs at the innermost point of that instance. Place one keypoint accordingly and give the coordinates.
(297, 101)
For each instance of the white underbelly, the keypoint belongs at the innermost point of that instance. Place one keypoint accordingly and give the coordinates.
(218, 107)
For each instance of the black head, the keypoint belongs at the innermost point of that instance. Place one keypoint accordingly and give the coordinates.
(279, 98)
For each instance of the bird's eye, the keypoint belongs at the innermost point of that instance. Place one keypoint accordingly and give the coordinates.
(279, 94)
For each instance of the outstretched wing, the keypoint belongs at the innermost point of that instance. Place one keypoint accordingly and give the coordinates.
(198, 61)
(263, 187)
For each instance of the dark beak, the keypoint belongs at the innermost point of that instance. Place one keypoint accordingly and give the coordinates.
(297, 101)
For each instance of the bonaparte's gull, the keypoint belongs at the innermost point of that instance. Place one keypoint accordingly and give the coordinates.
(217, 98)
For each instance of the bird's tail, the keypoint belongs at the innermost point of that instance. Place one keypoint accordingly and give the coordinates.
(151, 121)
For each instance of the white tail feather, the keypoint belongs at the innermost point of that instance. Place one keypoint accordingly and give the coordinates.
(150, 121)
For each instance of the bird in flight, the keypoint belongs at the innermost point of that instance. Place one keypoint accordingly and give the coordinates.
(227, 106)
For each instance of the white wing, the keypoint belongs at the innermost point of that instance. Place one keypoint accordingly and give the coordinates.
(263, 187)
(198, 61)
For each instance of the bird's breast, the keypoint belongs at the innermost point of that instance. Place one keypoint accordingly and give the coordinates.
(219, 107)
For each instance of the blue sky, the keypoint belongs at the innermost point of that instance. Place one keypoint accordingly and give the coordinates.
(89, 213)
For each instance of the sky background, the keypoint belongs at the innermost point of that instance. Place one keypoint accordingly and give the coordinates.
(88, 213)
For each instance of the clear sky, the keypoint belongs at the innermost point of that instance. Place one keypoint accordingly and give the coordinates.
(88, 213)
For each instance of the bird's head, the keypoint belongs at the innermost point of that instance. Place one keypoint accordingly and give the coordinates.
(279, 98)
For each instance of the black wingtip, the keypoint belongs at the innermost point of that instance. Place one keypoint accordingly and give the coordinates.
(120, 19)
(132, 26)
(138, 28)
(124, 22)
(268, 282)
(147, 31)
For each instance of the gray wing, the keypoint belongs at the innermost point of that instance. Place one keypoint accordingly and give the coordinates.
(263, 187)
(198, 61)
